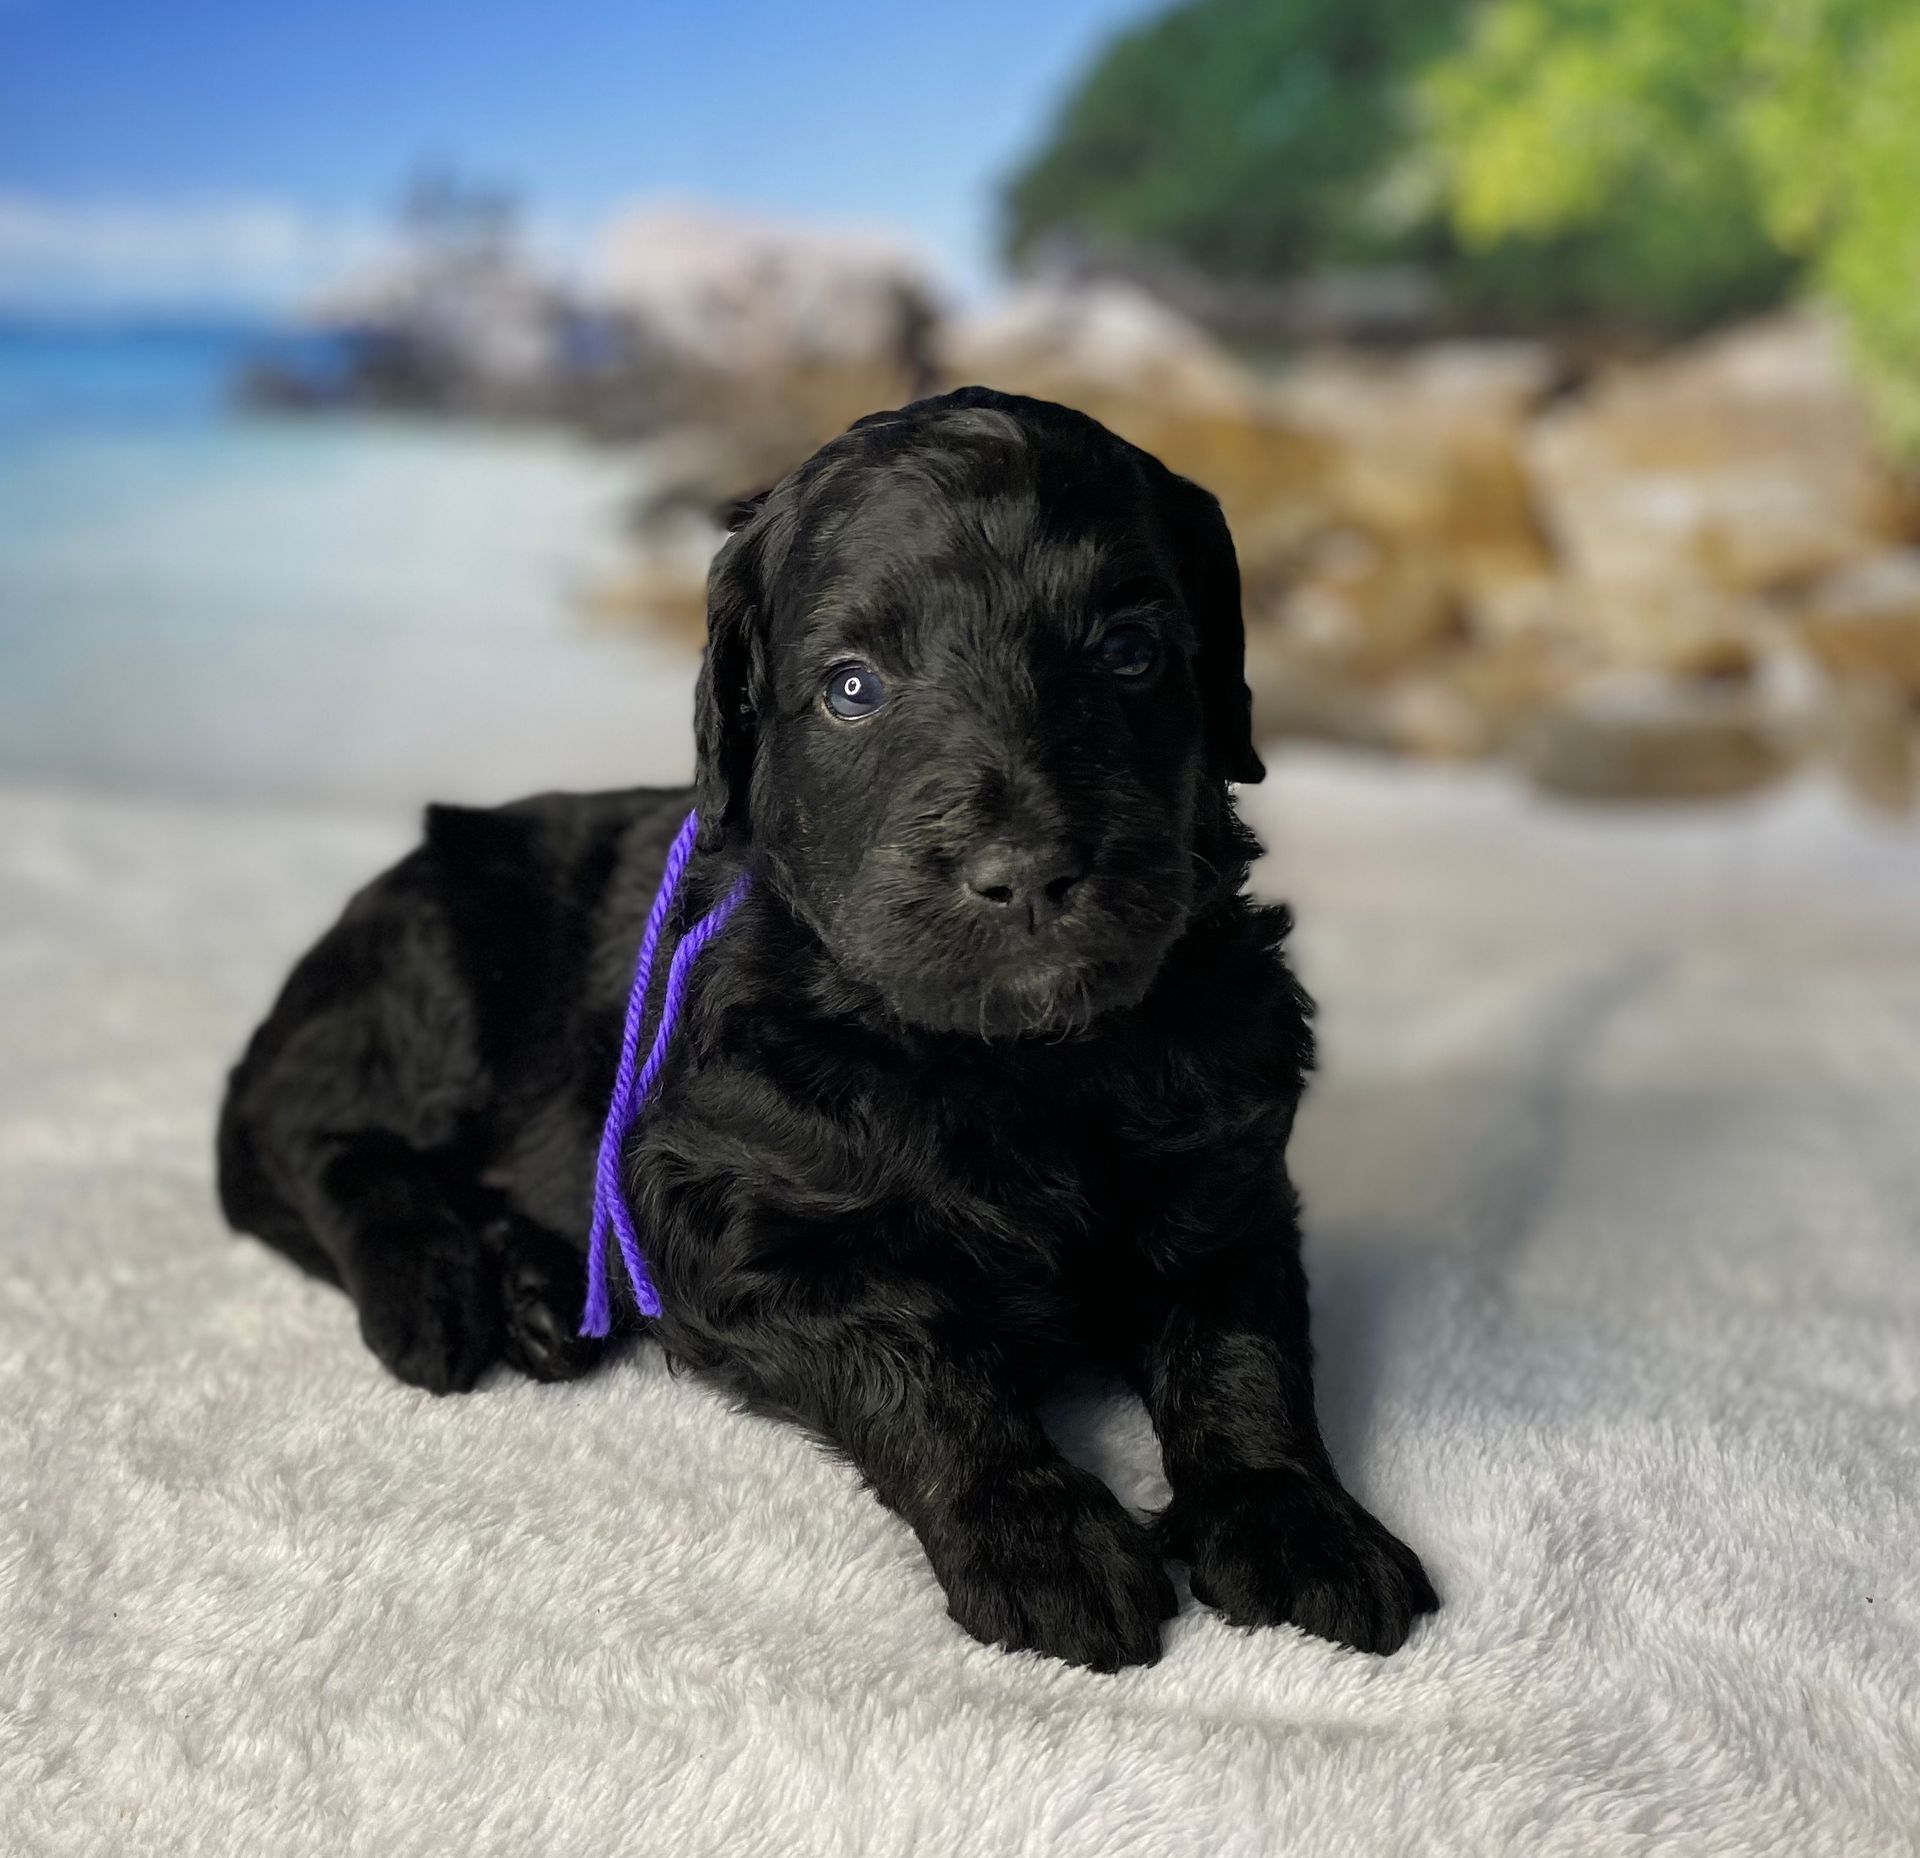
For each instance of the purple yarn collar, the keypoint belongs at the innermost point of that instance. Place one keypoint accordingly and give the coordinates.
(634, 1082)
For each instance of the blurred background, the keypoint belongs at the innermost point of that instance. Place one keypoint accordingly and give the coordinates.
(371, 376)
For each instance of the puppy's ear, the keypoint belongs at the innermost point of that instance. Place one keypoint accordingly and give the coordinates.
(725, 727)
(1209, 573)
(739, 511)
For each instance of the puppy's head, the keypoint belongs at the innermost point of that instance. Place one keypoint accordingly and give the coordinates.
(973, 691)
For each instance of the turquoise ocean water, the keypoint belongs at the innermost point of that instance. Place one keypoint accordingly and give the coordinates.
(139, 375)
(326, 607)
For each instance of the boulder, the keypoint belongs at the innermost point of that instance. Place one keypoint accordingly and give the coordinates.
(1461, 702)
(473, 331)
(708, 468)
(1426, 449)
(1685, 632)
(1744, 463)
(1471, 702)
(1354, 605)
(1637, 736)
(1863, 620)
(1157, 379)
(767, 324)
(1872, 738)
(1295, 698)
(689, 479)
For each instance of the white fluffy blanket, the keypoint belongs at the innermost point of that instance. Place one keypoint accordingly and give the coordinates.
(1614, 1184)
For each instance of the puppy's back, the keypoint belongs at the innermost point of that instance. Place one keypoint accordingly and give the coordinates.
(450, 980)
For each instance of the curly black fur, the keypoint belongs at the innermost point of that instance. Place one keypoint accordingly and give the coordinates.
(921, 1145)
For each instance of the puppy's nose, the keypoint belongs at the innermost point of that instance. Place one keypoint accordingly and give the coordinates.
(1031, 883)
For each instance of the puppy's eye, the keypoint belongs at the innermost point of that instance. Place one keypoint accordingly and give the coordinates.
(1128, 650)
(854, 691)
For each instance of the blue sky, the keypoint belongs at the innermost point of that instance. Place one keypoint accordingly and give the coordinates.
(258, 140)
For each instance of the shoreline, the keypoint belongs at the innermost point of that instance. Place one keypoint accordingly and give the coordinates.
(356, 611)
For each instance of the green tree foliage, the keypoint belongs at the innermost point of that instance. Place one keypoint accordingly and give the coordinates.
(1712, 144)
(1657, 163)
(1252, 137)
(1593, 165)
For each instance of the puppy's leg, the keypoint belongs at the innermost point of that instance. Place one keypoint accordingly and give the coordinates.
(443, 1292)
(1258, 1512)
(428, 1289)
(353, 1135)
(543, 1282)
(1033, 1553)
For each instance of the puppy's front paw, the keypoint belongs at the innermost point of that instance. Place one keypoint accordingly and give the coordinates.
(1276, 1546)
(543, 1282)
(1060, 1569)
(430, 1306)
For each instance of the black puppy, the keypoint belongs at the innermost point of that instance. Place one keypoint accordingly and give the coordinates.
(992, 1074)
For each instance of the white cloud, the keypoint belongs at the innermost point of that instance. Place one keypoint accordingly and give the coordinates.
(237, 254)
